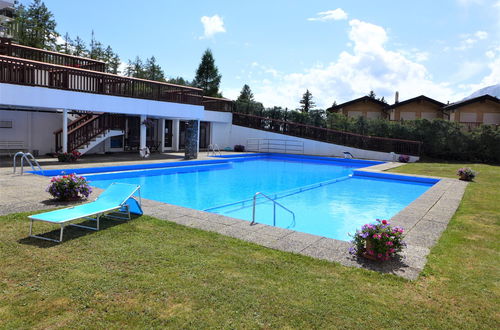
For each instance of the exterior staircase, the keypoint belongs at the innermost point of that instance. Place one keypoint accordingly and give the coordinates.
(99, 139)
(89, 130)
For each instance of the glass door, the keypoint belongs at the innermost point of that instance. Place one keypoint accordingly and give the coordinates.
(168, 137)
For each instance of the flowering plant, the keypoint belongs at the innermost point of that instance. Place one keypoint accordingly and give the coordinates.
(69, 156)
(404, 158)
(148, 122)
(466, 173)
(378, 241)
(69, 187)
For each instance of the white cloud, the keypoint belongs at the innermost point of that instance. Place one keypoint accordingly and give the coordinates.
(468, 40)
(212, 25)
(467, 70)
(470, 2)
(481, 35)
(370, 66)
(336, 15)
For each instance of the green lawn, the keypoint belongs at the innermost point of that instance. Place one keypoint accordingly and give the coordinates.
(152, 273)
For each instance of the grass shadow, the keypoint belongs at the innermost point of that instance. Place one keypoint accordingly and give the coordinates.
(71, 232)
(394, 266)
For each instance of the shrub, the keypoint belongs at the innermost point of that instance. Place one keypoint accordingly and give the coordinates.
(239, 148)
(69, 157)
(466, 174)
(378, 241)
(68, 187)
(404, 158)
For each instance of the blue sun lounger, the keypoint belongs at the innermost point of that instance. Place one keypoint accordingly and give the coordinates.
(116, 202)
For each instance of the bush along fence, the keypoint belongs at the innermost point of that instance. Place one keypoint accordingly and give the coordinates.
(440, 138)
(328, 135)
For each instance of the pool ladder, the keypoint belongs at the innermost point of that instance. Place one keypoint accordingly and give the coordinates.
(274, 208)
(213, 149)
(26, 156)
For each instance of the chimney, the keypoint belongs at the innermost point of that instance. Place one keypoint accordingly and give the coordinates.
(396, 97)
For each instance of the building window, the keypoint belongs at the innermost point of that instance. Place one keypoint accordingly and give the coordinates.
(5, 123)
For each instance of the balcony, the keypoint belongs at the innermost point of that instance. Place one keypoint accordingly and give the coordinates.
(32, 73)
(35, 54)
(217, 104)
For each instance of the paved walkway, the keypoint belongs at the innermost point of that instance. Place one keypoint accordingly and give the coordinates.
(425, 219)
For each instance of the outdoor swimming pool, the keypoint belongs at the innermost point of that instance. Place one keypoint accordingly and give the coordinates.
(329, 197)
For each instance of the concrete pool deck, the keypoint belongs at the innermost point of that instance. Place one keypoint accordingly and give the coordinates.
(424, 219)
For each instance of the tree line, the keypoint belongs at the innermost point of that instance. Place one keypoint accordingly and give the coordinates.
(35, 26)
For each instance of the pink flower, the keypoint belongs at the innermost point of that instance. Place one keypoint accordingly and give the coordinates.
(389, 243)
(384, 222)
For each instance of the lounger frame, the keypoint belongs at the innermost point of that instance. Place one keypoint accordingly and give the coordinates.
(113, 213)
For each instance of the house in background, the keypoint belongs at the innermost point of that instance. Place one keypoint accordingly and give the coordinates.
(365, 106)
(420, 107)
(473, 112)
(6, 15)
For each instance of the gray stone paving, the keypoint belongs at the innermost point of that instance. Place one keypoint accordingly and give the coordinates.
(424, 220)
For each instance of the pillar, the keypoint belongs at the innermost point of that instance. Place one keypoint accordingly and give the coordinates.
(175, 134)
(142, 138)
(192, 140)
(65, 131)
(162, 135)
(198, 139)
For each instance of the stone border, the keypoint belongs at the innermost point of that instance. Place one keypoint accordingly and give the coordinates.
(424, 220)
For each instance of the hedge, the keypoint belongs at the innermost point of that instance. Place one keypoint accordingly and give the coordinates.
(441, 139)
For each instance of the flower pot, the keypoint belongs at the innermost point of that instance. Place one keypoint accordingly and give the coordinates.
(464, 177)
(369, 246)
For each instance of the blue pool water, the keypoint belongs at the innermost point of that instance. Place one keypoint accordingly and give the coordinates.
(329, 197)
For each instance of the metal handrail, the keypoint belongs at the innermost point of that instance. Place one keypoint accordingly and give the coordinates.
(275, 145)
(26, 155)
(214, 148)
(274, 208)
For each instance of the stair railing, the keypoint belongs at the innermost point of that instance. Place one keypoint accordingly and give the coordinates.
(90, 128)
(274, 208)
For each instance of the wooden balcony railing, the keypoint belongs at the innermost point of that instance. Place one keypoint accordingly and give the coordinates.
(218, 104)
(82, 134)
(31, 73)
(373, 143)
(36, 54)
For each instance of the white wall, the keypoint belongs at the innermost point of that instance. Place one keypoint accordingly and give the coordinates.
(34, 129)
(229, 135)
(40, 97)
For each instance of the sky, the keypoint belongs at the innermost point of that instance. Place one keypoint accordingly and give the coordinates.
(339, 50)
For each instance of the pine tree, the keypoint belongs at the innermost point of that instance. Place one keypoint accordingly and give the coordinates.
(36, 26)
(372, 95)
(135, 68)
(179, 81)
(207, 75)
(153, 71)
(112, 60)
(246, 94)
(307, 102)
(96, 51)
(66, 47)
(79, 47)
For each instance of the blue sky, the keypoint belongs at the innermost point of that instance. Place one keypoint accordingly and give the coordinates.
(339, 50)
